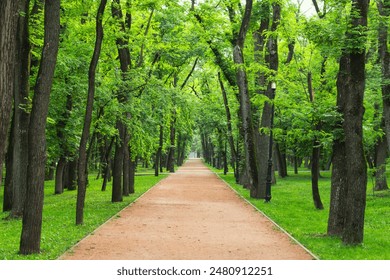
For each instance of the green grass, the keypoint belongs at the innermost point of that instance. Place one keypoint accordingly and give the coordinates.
(292, 208)
(59, 232)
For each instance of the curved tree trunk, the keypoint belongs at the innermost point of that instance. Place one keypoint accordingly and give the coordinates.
(82, 170)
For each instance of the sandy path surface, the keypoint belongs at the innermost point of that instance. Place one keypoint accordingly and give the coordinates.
(190, 215)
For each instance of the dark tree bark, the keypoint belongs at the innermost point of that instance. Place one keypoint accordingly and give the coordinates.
(8, 30)
(107, 164)
(172, 137)
(64, 153)
(21, 116)
(245, 106)
(281, 160)
(32, 216)
(229, 128)
(381, 152)
(9, 176)
(384, 56)
(120, 175)
(82, 169)
(263, 82)
(59, 182)
(316, 153)
(339, 168)
(159, 151)
(126, 166)
(353, 129)
(118, 165)
(133, 167)
(71, 179)
(352, 70)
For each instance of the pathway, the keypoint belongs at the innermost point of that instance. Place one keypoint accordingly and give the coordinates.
(190, 215)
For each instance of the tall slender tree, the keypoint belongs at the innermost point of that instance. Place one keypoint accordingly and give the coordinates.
(8, 27)
(245, 105)
(82, 168)
(32, 217)
(21, 114)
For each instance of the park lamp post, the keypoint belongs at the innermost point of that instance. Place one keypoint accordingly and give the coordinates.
(269, 170)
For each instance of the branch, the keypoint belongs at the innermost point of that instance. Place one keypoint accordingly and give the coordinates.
(244, 24)
(189, 74)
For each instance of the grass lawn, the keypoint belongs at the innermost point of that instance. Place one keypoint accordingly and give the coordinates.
(292, 208)
(59, 231)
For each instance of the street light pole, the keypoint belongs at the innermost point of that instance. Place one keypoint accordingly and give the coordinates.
(269, 170)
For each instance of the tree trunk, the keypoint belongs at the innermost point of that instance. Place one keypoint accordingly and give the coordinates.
(295, 164)
(70, 183)
(159, 151)
(117, 171)
(126, 165)
(32, 216)
(9, 176)
(348, 200)
(229, 127)
(8, 29)
(381, 152)
(281, 160)
(82, 170)
(59, 187)
(315, 172)
(353, 129)
(384, 56)
(132, 170)
(107, 163)
(339, 181)
(61, 125)
(21, 116)
(171, 153)
(316, 153)
(245, 105)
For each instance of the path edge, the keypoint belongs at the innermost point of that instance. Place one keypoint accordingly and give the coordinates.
(267, 217)
(110, 219)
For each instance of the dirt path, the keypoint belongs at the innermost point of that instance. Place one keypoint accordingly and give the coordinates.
(191, 215)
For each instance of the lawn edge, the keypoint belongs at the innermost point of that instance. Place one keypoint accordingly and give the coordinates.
(266, 216)
(108, 220)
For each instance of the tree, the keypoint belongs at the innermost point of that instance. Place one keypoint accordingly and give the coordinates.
(21, 113)
(8, 28)
(263, 84)
(384, 57)
(351, 84)
(82, 168)
(32, 217)
(245, 105)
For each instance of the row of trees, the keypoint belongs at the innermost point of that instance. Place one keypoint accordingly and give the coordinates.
(331, 69)
(117, 75)
(134, 79)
